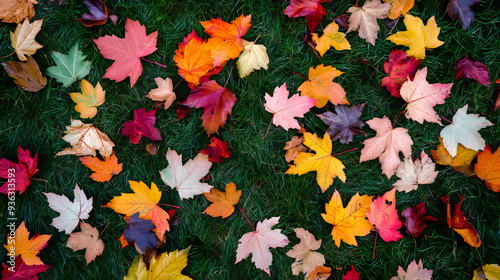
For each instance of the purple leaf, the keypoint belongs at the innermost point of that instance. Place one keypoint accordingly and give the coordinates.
(469, 68)
(140, 231)
(415, 218)
(461, 9)
(345, 124)
(98, 13)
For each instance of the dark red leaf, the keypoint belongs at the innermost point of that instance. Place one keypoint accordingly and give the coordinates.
(309, 41)
(182, 111)
(97, 15)
(141, 125)
(23, 171)
(345, 124)
(351, 274)
(140, 231)
(461, 9)
(469, 68)
(399, 68)
(415, 218)
(310, 9)
(22, 271)
(217, 150)
(342, 21)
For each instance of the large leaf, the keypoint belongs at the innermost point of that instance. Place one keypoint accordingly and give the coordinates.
(22, 270)
(14, 11)
(460, 224)
(140, 231)
(70, 67)
(469, 68)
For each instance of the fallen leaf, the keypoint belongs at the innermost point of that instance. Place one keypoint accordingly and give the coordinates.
(294, 147)
(487, 168)
(88, 239)
(70, 212)
(462, 160)
(103, 170)
(320, 86)
(140, 231)
(461, 9)
(14, 11)
(164, 92)
(253, 57)
(415, 219)
(23, 39)
(151, 148)
(412, 174)
(464, 130)
(386, 145)
(143, 124)
(70, 67)
(350, 221)
(285, 109)
(306, 260)
(489, 272)
(22, 270)
(222, 202)
(365, 19)
(497, 102)
(25, 247)
(384, 216)
(459, 224)
(344, 125)
(186, 178)
(126, 52)
(217, 150)
(469, 68)
(258, 243)
(97, 15)
(342, 21)
(26, 75)
(399, 7)
(414, 271)
(399, 67)
(327, 166)
(89, 99)
(216, 102)
(23, 171)
(193, 58)
(85, 139)
(331, 38)
(321, 273)
(311, 9)
(417, 37)
(351, 274)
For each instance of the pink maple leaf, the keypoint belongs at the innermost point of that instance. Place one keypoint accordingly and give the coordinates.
(384, 216)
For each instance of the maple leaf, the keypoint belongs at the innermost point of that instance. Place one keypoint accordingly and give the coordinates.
(351, 274)
(71, 212)
(331, 38)
(306, 260)
(489, 271)
(70, 67)
(344, 125)
(294, 147)
(25, 247)
(23, 39)
(193, 58)
(223, 202)
(186, 178)
(140, 231)
(103, 170)
(469, 68)
(311, 9)
(126, 52)
(89, 99)
(98, 13)
(258, 243)
(461, 9)
(414, 271)
(459, 224)
(252, 58)
(143, 124)
(85, 139)
(24, 170)
(399, 7)
(327, 166)
(350, 221)
(385, 216)
(464, 130)
(216, 102)
(225, 39)
(217, 150)
(320, 86)
(487, 168)
(417, 37)
(412, 174)
(365, 19)
(22, 270)
(26, 75)
(285, 109)
(399, 67)
(386, 145)
(88, 239)
(321, 273)
(415, 218)
(462, 160)
(164, 92)
(14, 11)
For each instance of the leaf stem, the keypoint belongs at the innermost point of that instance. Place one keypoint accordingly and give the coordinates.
(269, 127)
(103, 230)
(345, 152)
(447, 120)
(397, 118)
(246, 218)
(153, 62)
(375, 246)
(177, 84)
(164, 204)
(300, 75)
(228, 77)
(8, 55)
(366, 135)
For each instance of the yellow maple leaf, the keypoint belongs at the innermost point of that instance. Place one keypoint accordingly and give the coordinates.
(399, 7)
(252, 58)
(223, 202)
(321, 87)
(461, 162)
(331, 38)
(348, 222)
(25, 247)
(417, 37)
(88, 100)
(489, 271)
(23, 39)
(327, 166)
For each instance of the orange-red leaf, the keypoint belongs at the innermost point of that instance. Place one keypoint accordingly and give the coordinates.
(488, 168)
(193, 58)
(459, 224)
(103, 170)
(25, 247)
(223, 202)
(321, 87)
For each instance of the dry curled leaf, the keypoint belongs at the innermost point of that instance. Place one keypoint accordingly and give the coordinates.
(85, 139)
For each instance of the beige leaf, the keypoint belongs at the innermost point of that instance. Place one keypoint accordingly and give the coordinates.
(252, 58)
(306, 260)
(23, 40)
(412, 174)
(14, 11)
(294, 147)
(88, 239)
(85, 139)
(164, 92)
(365, 18)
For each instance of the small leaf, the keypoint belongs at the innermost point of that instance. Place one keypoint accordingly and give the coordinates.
(140, 231)
(23, 39)
(223, 202)
(415, 219)
(461, 9)
(217, 150)
(26, 75)
(414, 271)
(164, 92)
(384, 216)
(88, 101)
(88, 239)
(27, 248)
(103, 170)
(143, 124)
(331, 38)
(488, 168)
(344, 125)
(252, 58)
(459, 224)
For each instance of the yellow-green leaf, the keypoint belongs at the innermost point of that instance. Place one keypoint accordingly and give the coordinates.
(88, 100)
(330, 38)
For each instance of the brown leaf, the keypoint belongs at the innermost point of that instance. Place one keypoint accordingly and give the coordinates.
(26, 75)
(294, 147)
(14, 11)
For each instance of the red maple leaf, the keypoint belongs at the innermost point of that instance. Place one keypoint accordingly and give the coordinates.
(127, 52)
(217, 150)
(399, 69)
(415, 218)
(469, 68)
(216, 102)
(23, 171)
(351, 274)
(22, 271)
(141, 125)
(311, 9)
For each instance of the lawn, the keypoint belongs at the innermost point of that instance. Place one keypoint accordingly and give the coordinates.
(37, 121)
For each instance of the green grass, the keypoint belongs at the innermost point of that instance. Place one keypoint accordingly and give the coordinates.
(37, 121)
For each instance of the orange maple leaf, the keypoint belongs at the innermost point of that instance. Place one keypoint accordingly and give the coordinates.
(193, 58)
(461, 162)
(223, 202)
(25, 247)
(488, 168)
(459, 224)
(320, 86)
(103, 170)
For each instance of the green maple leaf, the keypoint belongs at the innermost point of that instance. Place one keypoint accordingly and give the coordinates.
(70, 67)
